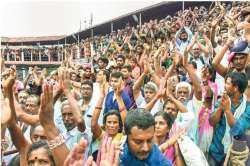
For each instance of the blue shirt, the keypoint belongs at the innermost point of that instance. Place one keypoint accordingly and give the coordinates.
(241, 125)
(111, 104)
(155, 158)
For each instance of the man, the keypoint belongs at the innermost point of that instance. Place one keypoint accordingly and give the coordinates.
(120, 61)
(32, 104)
(230, 117)
(102, 63)
(87, 103)
(139, 149)
(237, 59)
(183, 38)
(74, 129)
(129, 82)
(22, 97)
(116, 79)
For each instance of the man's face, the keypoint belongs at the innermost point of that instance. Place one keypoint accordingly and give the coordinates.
(149, 95)
(140, 142)
(87, 73)
(73, 76)
(120, 62)
(114, 82)
(182, 94)
(239, 62)
(32, 105)
(171, 109)
(139, 50)
(39, 157)
(100, 64)
(112, 125)
(125, 73)
(196, 52)
(161, 127)
(38, 134)
(22, 97)
(68, 118)
(229, 87)
(86, 91)
(184, 36)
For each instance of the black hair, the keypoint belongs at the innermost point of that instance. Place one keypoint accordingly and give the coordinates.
(38, 145)
(128, 67)
(168, 119)
(117, 74)
(166, 102)
(87, 82)
(114, 112)
(121, 56)
(106, 73)
(139, 118)
(239, 80)
(104, 60)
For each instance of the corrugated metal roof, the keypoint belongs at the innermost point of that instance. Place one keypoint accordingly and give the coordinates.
(30, 39)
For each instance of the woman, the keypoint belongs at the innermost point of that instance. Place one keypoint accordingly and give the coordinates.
(113, 122)
(209, 97)
(163, 123)
(40, 154)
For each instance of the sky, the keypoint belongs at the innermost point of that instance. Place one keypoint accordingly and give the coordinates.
(29, 18)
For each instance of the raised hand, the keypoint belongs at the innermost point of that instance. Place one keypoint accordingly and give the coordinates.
(75, 157)
(109, 154)
(119, 88)
(104, 88)
(46, 113)
(225, 102)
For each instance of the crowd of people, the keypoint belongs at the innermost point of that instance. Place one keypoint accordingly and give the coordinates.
(174, 91)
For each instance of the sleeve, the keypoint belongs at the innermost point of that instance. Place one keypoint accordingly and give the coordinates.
(189, 32)
(242, 124)
(126, 100)
(139, 100)
(177, 39)
(106, 104)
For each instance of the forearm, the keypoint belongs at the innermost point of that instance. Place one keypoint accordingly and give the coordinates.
(26, 81)
(138, 84)
(157, 66)
(215, 117)
(196, 82)
(217, 59)
(151, 104)
(60, 152)
(29, 119)
(95, 127)
(122, 108)
(76, 111)
(179, 105)
(230, 118)
(17, 137)
(212, 37)
(156, 79)
(56, 95)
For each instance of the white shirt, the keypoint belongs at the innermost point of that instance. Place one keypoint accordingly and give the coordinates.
(141, 103)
